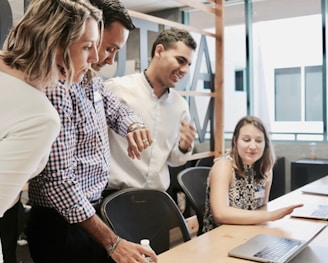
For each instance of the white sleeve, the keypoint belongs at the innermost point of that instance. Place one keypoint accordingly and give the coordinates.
(24, 152)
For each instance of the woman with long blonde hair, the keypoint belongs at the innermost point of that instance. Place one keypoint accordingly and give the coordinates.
(54, 40)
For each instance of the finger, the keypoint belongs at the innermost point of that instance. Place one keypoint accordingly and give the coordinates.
(130, 153)
(139, 140)
(145, 142)
(187, 125)
(136, 153)
(150, 253)
(149, 137)
(188, 129)
(192, 127)
(134, 146)
(183, 123)
(131, 140)
(146, 138)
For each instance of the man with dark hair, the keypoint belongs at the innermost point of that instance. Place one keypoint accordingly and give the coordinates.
(64, 225)
(117, 23)
(152, 96)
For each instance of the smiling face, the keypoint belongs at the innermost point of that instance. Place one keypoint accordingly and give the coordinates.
(173, 63)
(114, 38)
(250, 144)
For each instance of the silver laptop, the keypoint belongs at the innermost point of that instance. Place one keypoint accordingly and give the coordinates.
(316, 189)
(312, 211)
(270, 248)
(311, 254)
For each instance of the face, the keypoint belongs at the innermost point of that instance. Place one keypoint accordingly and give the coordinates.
(83, 52)
(114, 38)
(250, 144)
(173, 63)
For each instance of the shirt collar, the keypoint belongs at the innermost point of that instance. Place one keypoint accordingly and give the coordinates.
(144, 72)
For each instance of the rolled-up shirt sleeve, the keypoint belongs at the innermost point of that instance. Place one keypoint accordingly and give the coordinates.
(118, 115)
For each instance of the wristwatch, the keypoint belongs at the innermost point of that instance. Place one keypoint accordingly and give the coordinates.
(136, 125)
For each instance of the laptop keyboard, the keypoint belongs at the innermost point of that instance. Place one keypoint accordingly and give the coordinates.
(321, 212)
(277, 249)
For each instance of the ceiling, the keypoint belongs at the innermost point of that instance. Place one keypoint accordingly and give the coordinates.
(233, 11)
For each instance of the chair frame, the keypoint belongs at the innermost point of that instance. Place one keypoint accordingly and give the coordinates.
(193, 190)
(128, 200)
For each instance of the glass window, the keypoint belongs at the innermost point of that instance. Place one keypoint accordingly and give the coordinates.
(313, 93)
(288, 94)
(239, 80)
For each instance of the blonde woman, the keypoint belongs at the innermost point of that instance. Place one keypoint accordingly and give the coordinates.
(55, 40)
(65, 197)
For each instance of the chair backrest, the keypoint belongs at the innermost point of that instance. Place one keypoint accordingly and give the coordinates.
(193, 182)
(206, 161)
(136, 214)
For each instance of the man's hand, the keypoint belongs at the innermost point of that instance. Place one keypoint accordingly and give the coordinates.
(187, 136)
(138, 140)
(128, 252)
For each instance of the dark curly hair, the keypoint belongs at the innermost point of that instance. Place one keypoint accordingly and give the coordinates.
(114, 11)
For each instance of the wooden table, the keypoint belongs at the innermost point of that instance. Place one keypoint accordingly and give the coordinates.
(213, 246)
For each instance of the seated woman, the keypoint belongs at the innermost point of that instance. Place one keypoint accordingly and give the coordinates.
(239, 183)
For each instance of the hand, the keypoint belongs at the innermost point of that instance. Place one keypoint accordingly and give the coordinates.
(127, 252)
(138, 141)
(282, 212)
(187, 135)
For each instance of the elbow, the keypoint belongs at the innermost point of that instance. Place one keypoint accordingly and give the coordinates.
(221, 219)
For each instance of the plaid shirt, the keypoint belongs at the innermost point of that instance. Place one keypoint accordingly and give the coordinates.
(78, 167)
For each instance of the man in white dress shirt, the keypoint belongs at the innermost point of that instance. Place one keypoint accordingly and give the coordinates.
(165, 112)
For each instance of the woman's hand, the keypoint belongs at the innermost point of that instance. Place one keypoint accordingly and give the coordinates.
(282, 212)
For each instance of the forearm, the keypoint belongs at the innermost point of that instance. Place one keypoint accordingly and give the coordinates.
(124, 250)
(238, 216)
(99, 231)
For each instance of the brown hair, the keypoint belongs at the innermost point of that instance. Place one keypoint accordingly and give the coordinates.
(266, 162)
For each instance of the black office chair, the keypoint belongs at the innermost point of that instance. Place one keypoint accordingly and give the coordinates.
(193, 182)
(136, 214)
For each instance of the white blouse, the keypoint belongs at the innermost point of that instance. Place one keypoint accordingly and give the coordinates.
(29, 125)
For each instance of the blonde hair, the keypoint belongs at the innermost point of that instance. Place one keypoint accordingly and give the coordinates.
(32, 44)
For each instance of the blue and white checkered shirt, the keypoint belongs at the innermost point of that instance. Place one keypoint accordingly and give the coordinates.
(78, 167)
